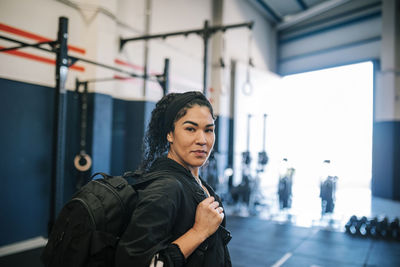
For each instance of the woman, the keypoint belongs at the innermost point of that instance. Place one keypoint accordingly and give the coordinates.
(179, 220)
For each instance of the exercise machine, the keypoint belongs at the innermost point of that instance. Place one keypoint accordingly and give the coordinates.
(328, 191)
(285, 185)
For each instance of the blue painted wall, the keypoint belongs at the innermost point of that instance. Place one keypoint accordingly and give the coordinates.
(386, 160)
(25, 164)
(114, 136)
(128, 129)
(101, 119)
(224, 142)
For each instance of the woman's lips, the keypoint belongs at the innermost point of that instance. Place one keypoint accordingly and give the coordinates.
(200, 153)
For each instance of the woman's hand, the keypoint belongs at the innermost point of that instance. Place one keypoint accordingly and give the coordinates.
(209, 216)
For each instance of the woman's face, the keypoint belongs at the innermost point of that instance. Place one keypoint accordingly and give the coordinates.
(193, 138)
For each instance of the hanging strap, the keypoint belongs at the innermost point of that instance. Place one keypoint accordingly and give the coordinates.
(83, 161)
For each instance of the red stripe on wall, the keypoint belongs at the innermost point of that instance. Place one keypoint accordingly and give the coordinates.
(133, 66)
(128, 79)
(39, 58)
(19, 32)
(127, 64)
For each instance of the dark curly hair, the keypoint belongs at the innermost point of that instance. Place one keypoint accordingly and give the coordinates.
(155, 144)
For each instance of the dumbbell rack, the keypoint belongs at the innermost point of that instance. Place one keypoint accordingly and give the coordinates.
(378, 228)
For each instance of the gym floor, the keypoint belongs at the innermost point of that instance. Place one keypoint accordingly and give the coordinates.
(257, 242)
(291, 238)
(301, 236)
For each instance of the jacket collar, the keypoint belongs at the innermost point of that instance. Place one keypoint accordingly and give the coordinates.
(168, 164)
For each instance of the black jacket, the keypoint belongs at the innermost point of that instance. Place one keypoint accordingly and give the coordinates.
(165, 211)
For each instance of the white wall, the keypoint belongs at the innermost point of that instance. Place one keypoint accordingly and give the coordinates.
(41, 18)
(264, 35)
(234, 46)
(97, 25)
(265, 98)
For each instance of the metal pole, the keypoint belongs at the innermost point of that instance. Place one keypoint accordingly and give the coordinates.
(248, 132)
(205, 32)
(211, 29)
(264, 130)
(206, 36)
(166, 76)
(23, 45)
(72, 59)
(146, 45)
(57, 183)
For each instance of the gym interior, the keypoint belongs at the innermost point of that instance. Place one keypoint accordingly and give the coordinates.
(307, 98)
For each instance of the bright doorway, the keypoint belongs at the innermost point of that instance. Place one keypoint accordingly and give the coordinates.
(327, 115)
(311, 117)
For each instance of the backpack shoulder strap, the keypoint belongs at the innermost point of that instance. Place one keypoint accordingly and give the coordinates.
(115, 181)
(139, 177)
(197, 194)
(102, 174)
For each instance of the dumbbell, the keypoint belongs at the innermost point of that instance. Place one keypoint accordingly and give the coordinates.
(361, 226)
(351, 225)
(395, 229)
(383, 227)
(372, 227)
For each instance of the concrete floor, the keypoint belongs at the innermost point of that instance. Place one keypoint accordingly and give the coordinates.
(302, 236)
(299, 236)
(258, 242)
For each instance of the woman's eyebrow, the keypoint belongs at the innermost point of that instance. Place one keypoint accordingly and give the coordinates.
(190, 122)
(196, 124)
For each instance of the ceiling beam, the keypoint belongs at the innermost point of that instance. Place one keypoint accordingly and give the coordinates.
(269, 10)
(292, 20)
(302, 4)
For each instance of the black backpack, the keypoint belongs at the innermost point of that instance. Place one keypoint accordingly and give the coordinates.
(89, 226)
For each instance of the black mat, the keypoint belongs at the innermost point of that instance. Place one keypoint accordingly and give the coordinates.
(29, 258)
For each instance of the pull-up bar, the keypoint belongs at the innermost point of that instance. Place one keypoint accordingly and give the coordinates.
(206, 32)
(63, 62)
(71, 59)
(162, 79)
(37, 45)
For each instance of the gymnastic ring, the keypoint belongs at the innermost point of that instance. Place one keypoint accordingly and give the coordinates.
(84, 167)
